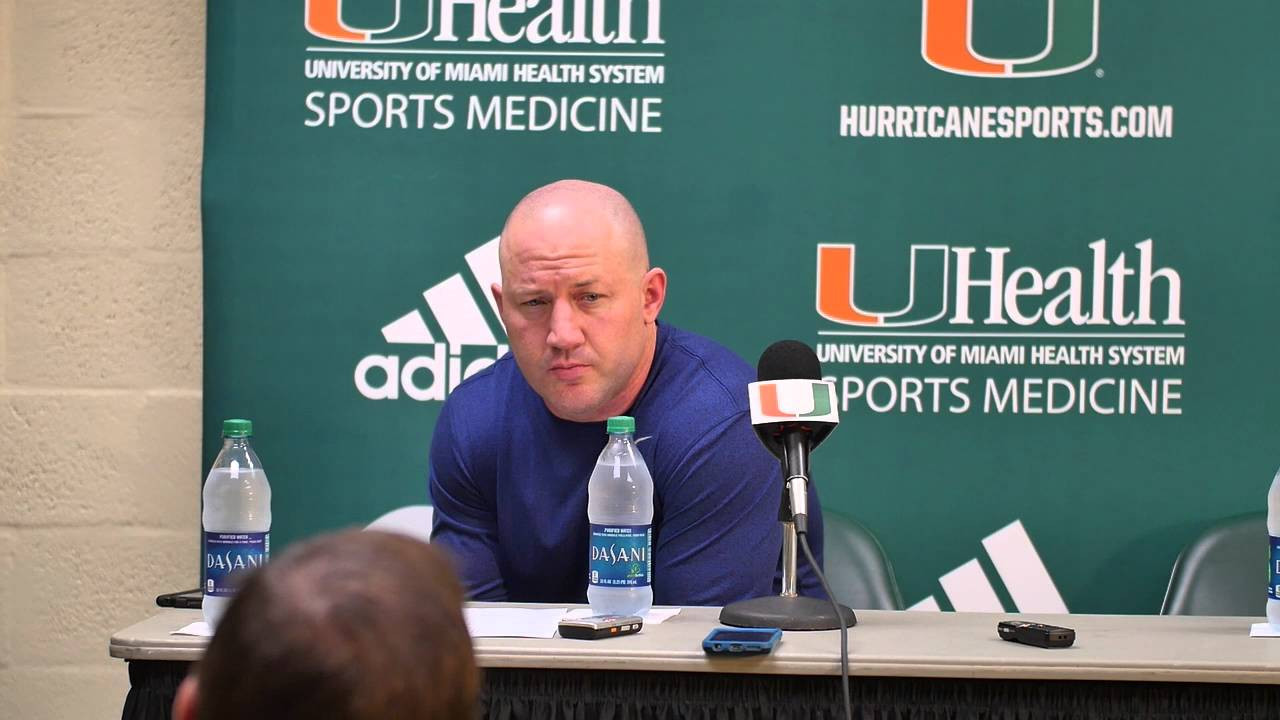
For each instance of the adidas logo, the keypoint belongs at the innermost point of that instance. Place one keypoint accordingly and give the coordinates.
(469, 343)
(1020, 569)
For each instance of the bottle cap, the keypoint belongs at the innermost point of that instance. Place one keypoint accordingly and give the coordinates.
(237, 428)
(621, 424)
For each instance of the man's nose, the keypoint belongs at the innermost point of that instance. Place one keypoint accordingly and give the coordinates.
(564, 333)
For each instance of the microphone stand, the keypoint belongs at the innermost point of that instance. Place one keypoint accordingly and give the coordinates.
(789, 610)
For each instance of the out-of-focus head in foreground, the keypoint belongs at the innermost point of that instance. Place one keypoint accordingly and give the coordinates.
(352, 626)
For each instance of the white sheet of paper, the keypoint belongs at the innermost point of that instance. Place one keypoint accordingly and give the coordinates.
(1263, 630)
(652, 616)
(199, 629)
(513, 622)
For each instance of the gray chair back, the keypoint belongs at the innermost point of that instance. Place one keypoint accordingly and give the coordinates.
(856, 566)
(1222, 572)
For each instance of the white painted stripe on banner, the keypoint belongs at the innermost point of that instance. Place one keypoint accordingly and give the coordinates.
(483, 262)
(458, 314)
(926, 605)
(969, 590)
(1022, 570)
(409, 329)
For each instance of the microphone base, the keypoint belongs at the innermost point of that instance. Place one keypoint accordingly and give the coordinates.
(786, 612)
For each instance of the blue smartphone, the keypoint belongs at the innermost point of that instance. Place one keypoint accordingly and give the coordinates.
(741, 641)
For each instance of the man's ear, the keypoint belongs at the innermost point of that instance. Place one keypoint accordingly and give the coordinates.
(496, 290)
(186, 700)
(654, 287)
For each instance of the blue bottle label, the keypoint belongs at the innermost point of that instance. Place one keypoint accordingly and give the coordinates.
(621, 555)
(1273, 589)
(227, 555)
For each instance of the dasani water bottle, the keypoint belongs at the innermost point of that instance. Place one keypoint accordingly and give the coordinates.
(620, 510)
(1273, 529)
(236, 518)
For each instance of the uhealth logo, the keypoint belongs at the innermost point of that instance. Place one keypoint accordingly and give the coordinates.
(434, 373)
(596, 22)
(1108, 291)
(1071, 42)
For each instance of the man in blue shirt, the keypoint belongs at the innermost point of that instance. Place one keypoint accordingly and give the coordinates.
(516, 443)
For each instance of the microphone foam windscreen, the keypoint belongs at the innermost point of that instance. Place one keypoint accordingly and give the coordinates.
(788, 360)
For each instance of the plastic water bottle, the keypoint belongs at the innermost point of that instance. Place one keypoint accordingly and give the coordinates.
(620, 510)
(1273, 529)
(236, 518)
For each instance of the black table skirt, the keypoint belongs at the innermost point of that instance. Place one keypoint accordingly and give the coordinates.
(522, 694)
(152, 686)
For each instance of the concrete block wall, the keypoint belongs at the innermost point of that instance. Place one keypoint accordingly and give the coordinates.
(101, 122)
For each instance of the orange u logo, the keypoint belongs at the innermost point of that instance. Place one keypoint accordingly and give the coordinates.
(411, 21)
(1070, 44)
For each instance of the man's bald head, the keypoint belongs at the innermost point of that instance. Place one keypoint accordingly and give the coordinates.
(578, 299)
(575, 202)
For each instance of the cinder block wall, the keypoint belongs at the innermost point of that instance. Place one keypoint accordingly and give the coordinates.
(101, 117)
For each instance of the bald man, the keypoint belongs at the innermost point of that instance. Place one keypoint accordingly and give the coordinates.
(516, 443)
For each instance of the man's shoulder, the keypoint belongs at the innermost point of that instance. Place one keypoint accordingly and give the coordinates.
(473, 425)
(483, 396)
(698, 406)
(700, 384)
(710, 362)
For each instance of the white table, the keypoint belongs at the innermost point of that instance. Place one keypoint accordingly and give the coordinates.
(1210, 658)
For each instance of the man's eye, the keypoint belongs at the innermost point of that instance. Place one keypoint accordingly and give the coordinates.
(536, 302)
(590, 297)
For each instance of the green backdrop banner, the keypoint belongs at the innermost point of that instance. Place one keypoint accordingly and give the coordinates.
(1033, 242)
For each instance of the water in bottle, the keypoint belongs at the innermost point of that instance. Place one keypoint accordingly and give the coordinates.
(620, 510)
(236, 518)
(1273, 529)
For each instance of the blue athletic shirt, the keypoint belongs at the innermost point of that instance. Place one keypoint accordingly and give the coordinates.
(509, 484)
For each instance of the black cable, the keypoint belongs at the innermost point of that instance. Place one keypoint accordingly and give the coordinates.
(844, 630)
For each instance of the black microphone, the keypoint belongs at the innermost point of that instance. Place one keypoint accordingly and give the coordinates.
(792, 410)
